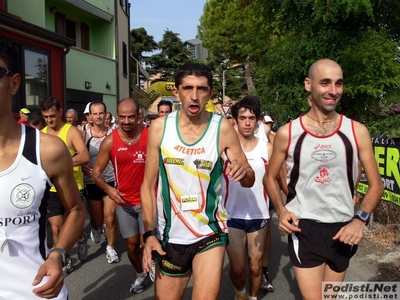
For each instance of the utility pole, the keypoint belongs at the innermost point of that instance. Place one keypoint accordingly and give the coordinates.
(223, 86)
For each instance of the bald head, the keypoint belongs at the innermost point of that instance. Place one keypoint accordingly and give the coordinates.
(128, 102)
(322, 64)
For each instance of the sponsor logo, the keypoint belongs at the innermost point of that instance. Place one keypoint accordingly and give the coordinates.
(173, 161)
(25, 178)
(19, 220)
(323, 176)
(139, 156)
(166, 264)
(203, 164)
(190, 151)
(122, 149)
(323, 155)
(319, 146)
(22, 196)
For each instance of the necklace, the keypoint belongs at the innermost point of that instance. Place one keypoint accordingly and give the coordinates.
(322, 121)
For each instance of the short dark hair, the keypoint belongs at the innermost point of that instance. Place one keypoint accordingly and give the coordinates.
(96, 103)
(49, 103)
(36, 118)
(248, 102)
(164, 102)
(9, 54)
(195, 69)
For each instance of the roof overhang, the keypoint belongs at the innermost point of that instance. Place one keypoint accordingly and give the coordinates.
(91, 9)
(16, 25)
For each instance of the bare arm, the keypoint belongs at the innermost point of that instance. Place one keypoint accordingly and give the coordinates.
(148, 191)
(288, 222)
(353, 232)
(101, 163)
(75, 141)
(239, 169)
(57, 164)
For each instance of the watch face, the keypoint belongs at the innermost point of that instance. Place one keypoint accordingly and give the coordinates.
(364, 214)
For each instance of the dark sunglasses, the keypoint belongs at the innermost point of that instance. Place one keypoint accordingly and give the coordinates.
(4, 71)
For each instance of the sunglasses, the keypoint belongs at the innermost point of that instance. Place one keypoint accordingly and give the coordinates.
(4, 71)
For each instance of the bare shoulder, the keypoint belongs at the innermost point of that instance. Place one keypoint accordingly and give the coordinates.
(53, 153)
(226, 126)
(107, 142)
(156, 129)
(75, 132)
(360, 129)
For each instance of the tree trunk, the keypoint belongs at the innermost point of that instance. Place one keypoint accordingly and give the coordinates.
(249, 76)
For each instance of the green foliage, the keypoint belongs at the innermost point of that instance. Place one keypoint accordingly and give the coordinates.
(284, 37)
(172, 55)
(141, 42)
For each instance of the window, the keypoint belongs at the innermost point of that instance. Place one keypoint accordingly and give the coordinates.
(85, 41)
(70, 29)
(124, 59)
(36, 78)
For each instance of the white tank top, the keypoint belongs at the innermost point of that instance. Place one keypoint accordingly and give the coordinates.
(24, 192)
(248, 203)
(93, 145)
(190, 174)
(322, 171)
(261, 132)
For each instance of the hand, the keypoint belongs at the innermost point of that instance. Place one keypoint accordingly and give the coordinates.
(152, 244)
(236, 171)
(52, 267)
(288, 222)
(115, 195)
(352, 233)
(87, 170)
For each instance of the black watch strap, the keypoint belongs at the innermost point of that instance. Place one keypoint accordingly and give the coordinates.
(148, 234)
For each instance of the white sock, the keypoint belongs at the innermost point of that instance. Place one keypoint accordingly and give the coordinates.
(252, 298)
(109, 247)
(242, 292)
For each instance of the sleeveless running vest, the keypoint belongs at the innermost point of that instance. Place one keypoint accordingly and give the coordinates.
(190, 174)
(128, 162)
(248, 203)
(77, 169)
(24, 193)
(322, 171)
(93, 145)
(261, 132)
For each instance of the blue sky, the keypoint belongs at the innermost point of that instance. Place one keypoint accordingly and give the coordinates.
(156, 16)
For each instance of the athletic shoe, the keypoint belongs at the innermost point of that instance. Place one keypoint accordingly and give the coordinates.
(240, 297)
(152, 273)
(266, 284)
(83, 249)
(142, 280)
(68, 267)
(95, 235)
(112, 256)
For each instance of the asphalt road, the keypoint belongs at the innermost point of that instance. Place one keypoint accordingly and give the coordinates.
(95, 279)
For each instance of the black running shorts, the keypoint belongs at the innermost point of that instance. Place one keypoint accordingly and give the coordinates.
(314, 246)
(179, 258)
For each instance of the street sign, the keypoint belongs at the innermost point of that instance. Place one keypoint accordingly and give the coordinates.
(226, 108)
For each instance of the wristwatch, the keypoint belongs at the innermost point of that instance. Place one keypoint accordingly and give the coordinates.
(64, 255)
(148, 234)
(363, 216)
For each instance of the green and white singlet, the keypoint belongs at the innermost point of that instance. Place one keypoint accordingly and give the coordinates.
(189, 201)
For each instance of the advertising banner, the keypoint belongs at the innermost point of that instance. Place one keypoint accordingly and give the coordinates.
(387, 155)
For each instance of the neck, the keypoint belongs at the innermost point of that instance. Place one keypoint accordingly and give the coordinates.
(98, 129)
(321, 118)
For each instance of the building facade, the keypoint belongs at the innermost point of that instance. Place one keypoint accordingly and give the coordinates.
(75, 50)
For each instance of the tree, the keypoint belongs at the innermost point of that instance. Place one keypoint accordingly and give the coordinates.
(283, 38)
(172, 56)
(141, 42)
(222, 27)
